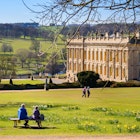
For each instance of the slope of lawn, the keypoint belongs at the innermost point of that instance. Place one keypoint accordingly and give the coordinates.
(26, 43)
(45, 46)
(107, 111)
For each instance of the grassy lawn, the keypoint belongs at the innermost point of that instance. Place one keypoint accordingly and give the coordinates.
(23, 81)
(46, 46)
(107, 111)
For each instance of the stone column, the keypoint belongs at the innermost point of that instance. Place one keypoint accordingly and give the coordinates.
(107, 61)
(72, 60)
(114, 64)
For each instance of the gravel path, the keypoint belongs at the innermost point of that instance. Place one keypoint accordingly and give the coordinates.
(135, 137)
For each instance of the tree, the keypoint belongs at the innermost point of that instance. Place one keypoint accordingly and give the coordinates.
(82, 11)
(30, 57)
(53, 66)
(22, 54)
(7, 67)
(6, 48)
(35, 46)
(87, 78)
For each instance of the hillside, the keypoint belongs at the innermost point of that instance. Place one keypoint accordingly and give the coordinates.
(46, 47)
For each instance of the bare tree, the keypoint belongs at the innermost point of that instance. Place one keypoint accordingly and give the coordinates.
(82, 11)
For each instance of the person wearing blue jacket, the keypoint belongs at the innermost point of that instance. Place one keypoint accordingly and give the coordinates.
(22, 114)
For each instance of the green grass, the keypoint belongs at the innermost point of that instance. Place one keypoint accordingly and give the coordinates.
(17, 43)
(46, 46)
(107, 111)
(23, 81)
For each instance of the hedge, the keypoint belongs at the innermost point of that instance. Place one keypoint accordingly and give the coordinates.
(69, 85)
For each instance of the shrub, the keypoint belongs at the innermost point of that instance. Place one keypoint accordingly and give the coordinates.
(70, 108)
(138, 118)
(11, 87)
(101, 83)
(64, 85)
(88, 78)
(88, 126)
(100, 109)
(69, 85)
(113, 121)
(52, 86)
(20, 87)
(126, 84)
(132, 128)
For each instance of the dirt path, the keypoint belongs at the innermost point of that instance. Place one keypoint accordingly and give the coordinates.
(135, 137)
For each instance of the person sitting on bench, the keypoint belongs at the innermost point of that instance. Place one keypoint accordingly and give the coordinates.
(36, 115)
(22, 114)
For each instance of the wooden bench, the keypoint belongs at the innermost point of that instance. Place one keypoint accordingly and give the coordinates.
(17, 120)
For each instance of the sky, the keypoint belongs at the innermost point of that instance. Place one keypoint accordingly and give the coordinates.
(14, 11)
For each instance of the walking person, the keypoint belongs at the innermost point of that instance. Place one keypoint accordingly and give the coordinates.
(84, 92)
(88, 91)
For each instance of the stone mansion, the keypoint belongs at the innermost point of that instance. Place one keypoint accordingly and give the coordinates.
(114, 58)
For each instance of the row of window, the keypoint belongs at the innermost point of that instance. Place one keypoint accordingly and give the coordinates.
(108, 55)
(101, 70)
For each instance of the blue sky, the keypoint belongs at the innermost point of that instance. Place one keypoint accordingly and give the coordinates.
(14, 11)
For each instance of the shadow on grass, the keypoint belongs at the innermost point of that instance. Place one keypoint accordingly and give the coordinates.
(35, 127)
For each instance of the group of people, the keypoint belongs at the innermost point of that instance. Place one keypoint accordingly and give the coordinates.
(86, 91)
(22, 114)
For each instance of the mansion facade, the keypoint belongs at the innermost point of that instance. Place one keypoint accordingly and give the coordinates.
(114, 58)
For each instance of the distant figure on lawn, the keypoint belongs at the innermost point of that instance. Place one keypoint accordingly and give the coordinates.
(84, 92)
(22, 114)
(88, 91)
